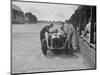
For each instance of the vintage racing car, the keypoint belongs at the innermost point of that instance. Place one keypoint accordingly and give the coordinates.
(55, 41)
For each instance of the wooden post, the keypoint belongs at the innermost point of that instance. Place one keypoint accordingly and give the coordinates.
(80, 23)
(92, 24)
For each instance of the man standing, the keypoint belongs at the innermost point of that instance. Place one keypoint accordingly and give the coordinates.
(71, 37)
(44, 30)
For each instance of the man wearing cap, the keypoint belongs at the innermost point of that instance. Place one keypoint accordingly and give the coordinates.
(44, 30)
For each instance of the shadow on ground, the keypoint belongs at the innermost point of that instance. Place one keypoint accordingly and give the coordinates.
(61, 54)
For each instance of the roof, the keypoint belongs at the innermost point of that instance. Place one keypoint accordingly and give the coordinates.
(16, 7)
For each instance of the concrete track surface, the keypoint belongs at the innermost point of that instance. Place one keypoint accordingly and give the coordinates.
(27, 55)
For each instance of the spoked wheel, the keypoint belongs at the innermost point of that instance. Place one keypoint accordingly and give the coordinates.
(44, 47)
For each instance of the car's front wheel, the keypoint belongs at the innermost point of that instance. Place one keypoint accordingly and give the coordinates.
(44, 47)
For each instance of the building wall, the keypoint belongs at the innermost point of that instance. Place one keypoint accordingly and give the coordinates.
(17, 16)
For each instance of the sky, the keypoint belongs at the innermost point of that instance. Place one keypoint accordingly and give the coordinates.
(50, 12)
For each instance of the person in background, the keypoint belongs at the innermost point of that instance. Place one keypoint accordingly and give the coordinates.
(62, 26)
(44, 30)
(87, 30)
(63, 37)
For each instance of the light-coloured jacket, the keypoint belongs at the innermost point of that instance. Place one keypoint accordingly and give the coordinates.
(71, 34)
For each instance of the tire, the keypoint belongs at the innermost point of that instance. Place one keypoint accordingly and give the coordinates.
(66, 47)
(67, 50)
(44, 47)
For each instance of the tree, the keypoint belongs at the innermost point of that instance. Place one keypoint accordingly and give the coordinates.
(31, 18)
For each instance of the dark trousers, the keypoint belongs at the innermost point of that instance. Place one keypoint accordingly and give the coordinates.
(42, 37)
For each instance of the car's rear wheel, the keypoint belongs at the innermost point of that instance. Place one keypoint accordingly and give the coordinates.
(44, 47)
